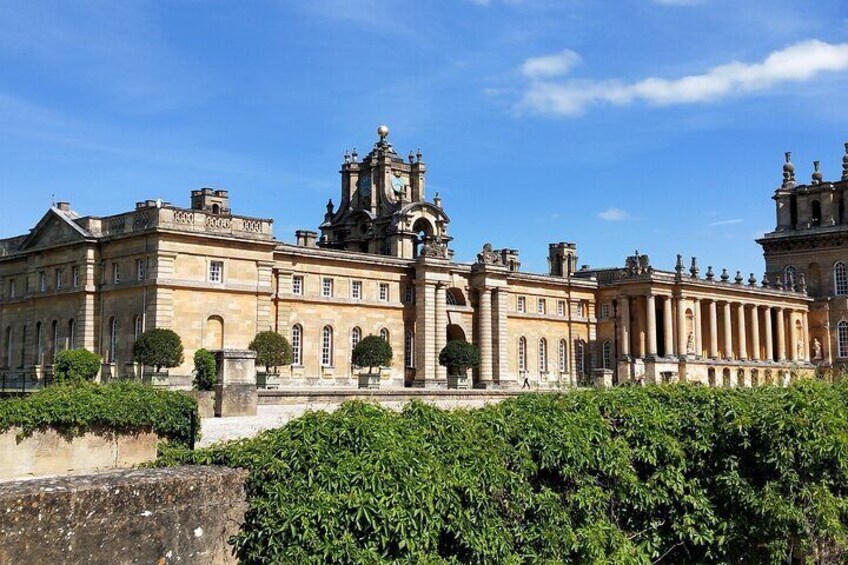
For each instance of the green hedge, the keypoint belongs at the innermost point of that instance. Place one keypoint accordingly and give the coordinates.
(676, 474)
(121, 406)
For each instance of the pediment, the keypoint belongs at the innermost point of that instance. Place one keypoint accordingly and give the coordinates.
(53, 229)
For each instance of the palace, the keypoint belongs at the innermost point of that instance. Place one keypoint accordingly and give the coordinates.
(382, 264)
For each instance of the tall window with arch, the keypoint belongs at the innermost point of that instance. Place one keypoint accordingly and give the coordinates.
(112, 353)
(562, 356)
(789, 276)
(355, 338)
(297, 345)
(23, 346)
(327, 347)
(384, 333)
(606, 355)
(72, 334)
(408, 349)
(840, 279)
(842, 339)
(39, 348)
(136, 326)
(522, 354)
(8, 346)
(580, 357)
(54, 339)
(543, 355)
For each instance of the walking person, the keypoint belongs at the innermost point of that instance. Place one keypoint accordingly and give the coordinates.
(526, 383)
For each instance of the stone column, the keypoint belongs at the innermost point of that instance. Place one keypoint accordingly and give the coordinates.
(484, 323)
(793, 336)
(713, 330)
(728, 332)
(781, 335)
(755, 333)
(651, 318)
(682, 337)
(805, 328)
(668, 327)
(500, 341)
(699, 338)
(441, 330)
(425, 338)
(624, 312)
(768, 331)
(741, 333)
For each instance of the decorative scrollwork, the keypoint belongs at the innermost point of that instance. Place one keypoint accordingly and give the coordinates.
(254, 226)
(183, 217)
(218, 222)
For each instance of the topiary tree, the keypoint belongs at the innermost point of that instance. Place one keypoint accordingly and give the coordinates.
(75, 366)
(158, 348)
(272, 350)
(205, 370)
(459, 356)
(373, 351)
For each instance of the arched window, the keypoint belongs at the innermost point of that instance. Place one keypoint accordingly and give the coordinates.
(39, 349)
(9, 346)
(54, 345)
(327, 347)
(543, 355)
(793, 211)
(297, 345)
(72, 334)
(815, 213)
(136, 326)
(355, 338)
(840, 279)
(23, 346)
(522, 354)
(580, 357)
(450, 299)
(408, 349)
(112, 353)
(842, 339)
(606, 355)
(384, 333)
(789, 277)
(562, 356)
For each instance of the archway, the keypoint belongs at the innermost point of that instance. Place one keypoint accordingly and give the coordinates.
(455, 297)
(214, 334)
(424, 230)
(455, 331)
(725, 378)
(711, 376)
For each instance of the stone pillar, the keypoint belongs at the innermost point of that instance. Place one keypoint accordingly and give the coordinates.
(805, 329)
(755, 333)
(699, 338)
(624, 311)
(651, 318)
(713, 330)
(682, 336)
(425, 338)
(235, 391)
(500, 338)
(768, 331)
(668, 327)
(484, 323)
(728, 331)
(441, 330)
(781, 335)
(793, 337)
(741, 333)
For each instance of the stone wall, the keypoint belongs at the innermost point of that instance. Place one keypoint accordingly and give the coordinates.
(158, 516)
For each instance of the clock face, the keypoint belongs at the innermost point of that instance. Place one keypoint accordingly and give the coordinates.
(364, 186)
(397, 184)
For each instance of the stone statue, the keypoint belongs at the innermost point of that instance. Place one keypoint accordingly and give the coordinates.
(690, 343)
(434, 249)
(817, 349)
(637, 264)
(488, 256)
(799, 349)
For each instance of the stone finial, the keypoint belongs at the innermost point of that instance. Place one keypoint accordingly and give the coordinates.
(437, 201)
(411, 157)
(802, 283)
(752, 280)
(694, 270)
(678, 267)
(383, 132)
(710, 273)
(778, 283)
(816, 176)
(738, 278)
(788, 171)
(725, 276)
(354, 155)
(845, 163)
(330, 207)
(418, 155)
(765, 282)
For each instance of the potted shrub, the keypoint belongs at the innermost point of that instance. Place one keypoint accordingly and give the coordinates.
(371, 352)
(272, 350)
(205, 377)
(76, 366)
(459, 356)
(158, 348)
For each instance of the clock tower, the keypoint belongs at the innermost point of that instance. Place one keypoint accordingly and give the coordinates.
(383, 208)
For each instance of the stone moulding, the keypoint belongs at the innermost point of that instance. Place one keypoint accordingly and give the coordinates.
(48, 452)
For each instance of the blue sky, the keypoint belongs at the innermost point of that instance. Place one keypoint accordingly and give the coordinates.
(650, 124)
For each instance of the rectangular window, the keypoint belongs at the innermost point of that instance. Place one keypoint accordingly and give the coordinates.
(42, 281)
(60, 278)
(522, 304)
(384, 292)
(327, 288)
(605, 311)
(561, 308)
(577, 309)
(12, 288)
(216, 271)
(297, 285)
(408, 350)
(356, 290)
(543, 306)
(410, 295)
(116, 273)
(140, 269)
(75, 276)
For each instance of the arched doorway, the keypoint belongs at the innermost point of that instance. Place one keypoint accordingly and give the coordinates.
(213, 337)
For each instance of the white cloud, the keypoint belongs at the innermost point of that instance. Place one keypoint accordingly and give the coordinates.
(796, 63)
(613, 214)
(548, 66)
(725, 222)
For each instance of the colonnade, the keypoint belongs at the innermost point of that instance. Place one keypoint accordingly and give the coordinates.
(733, 329)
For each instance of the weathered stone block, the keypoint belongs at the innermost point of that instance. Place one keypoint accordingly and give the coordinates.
(235, 400)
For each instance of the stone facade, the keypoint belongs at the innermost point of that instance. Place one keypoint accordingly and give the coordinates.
(381, 265)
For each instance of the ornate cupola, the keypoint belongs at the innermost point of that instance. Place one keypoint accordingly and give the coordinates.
(383, 207)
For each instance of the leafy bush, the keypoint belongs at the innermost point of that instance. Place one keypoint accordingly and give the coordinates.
(74, 366)
(205, 370)
(372, 351)
(674, 474)
(158, 347)
(459, 356)
(121, 406)
(272, 350)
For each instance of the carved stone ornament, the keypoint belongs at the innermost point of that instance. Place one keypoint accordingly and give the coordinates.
(817, 349)
(637, 264)
(434, 250)
(489, 257)
(690, 343)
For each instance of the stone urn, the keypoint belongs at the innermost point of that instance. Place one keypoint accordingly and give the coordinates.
(268, 379)
(458, 379)
(369, 380)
